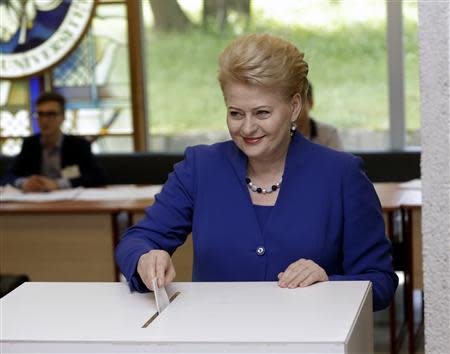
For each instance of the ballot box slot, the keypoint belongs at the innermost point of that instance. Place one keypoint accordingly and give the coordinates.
(151, 319)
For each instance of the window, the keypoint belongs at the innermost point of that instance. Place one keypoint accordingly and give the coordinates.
(15, 121)
(411, 58)
(95, 79)
(344, 43)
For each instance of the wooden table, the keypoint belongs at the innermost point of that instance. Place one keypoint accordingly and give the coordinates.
(412, 233)
(255, 317)
(59, 241)
(70, 240)
(408, 202)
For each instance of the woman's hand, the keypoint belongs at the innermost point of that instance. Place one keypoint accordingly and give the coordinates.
(156, 263)
(302, 273)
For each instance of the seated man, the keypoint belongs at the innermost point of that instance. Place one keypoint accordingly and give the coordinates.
(52, 160)
(317, 132)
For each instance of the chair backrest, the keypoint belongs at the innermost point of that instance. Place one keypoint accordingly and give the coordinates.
(138, 168)
(391, 166)
(153, 168)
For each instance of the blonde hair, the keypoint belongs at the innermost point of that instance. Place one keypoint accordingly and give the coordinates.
(267, 61)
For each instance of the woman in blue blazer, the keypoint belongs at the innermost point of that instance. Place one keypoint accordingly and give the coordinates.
(268, 205)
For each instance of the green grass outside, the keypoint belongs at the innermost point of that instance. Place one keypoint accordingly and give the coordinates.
(348, 67)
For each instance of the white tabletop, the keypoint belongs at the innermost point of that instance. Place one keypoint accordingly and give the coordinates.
(233, 314)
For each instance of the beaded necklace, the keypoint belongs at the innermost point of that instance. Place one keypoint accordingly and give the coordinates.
(261, 190)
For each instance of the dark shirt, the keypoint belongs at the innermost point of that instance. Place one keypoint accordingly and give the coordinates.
(50, 165)
(262, 214)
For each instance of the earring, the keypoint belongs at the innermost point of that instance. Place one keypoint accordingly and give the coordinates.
(293, 129)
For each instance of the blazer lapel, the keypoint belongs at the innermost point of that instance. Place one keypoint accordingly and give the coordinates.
(295, 161)
(238, 161)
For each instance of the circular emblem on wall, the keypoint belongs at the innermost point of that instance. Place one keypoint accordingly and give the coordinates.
(38, 34)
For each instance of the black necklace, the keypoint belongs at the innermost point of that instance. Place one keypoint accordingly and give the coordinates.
(261, 190)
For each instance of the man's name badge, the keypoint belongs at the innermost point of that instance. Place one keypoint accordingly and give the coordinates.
(69, 172)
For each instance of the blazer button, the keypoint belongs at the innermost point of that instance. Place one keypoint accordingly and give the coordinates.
(260, 251)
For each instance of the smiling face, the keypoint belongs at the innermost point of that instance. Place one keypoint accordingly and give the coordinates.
(259, 120)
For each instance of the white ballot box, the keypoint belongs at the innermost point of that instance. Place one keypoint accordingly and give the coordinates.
(253, 317)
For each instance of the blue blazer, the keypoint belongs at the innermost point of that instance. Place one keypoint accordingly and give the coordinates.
(327, 211)
(74, 151)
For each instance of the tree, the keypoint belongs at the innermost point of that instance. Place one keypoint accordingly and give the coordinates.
(217, 11)
(169, 16)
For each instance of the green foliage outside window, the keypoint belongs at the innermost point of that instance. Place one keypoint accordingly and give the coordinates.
(346, 49)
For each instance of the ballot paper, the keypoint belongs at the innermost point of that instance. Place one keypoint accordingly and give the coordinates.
(162, 300)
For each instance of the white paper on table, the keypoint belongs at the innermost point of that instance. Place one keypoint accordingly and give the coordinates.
(413, 184)
(145, 192)
(162, 300)
(95, 194)
(119, 193)
(12, 194)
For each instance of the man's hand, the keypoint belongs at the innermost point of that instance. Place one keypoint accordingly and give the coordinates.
(37, 183)
(48, 184)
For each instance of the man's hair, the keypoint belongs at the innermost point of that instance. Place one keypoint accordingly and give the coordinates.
(52, 97)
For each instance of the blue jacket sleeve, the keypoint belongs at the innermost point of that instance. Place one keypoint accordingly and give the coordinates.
(365, 247)
(166, 223)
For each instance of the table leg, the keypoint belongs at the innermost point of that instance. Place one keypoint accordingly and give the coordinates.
(115, 239)
(409, 275)
(392, 307)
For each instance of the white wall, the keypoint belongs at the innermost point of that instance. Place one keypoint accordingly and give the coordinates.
(434, 46)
